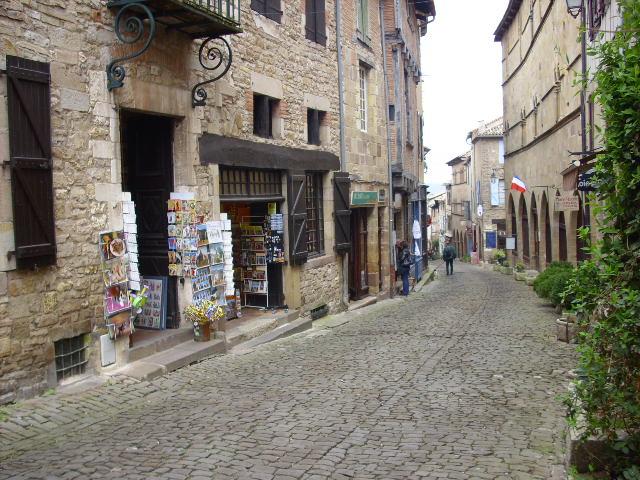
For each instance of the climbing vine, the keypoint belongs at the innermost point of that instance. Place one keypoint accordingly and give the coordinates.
(605, 290)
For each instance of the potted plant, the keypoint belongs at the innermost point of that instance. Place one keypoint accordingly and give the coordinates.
(202, 316)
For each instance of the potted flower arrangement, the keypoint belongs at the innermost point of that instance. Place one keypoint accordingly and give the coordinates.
(202, 316)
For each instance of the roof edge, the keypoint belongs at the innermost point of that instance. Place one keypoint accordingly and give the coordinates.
(507, 18)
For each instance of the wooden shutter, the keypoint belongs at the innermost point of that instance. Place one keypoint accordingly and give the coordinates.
(297, 218)
(310, 20)
(321, 29)
(341, 211)
(273, 10)
(29, 114)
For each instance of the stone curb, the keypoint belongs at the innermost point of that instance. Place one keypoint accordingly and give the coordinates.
(286, 330)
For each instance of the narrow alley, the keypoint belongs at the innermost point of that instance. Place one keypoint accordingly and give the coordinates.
(459, 380)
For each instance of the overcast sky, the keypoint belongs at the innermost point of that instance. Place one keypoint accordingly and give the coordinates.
(462, 78)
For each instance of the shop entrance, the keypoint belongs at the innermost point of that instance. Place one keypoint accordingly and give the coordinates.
(358, 272)
(257, 233)
(147, 172)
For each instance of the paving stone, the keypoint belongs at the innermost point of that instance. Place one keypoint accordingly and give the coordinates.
(457, 381)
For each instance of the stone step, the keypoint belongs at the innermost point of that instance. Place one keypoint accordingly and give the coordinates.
(157, 342)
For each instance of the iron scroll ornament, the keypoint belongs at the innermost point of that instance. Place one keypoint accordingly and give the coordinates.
(215, 53)
(134, 29)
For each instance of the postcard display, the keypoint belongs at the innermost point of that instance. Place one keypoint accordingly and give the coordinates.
(120, 274)
(261, 244)
(201, 250)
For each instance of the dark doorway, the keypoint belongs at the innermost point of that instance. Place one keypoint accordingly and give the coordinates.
(562, 237)
(380, 251)
(147, 172)
(358, 273)
(547, 231)
(525, 231)
(536, 233)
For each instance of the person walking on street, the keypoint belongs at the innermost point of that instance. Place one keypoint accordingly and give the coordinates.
(448, 255)
(404, 265)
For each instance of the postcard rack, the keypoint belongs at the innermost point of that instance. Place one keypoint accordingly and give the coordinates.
(253, 262)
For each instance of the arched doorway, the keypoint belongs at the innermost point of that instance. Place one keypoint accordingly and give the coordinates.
(562, 237)
(524, 222)
(536, 233)
(548, 251)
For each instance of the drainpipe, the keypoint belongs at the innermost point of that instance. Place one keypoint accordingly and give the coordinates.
(392, 269)
(343, 146)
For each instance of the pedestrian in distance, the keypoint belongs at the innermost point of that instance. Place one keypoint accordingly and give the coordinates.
(405, 260)
(448, 255)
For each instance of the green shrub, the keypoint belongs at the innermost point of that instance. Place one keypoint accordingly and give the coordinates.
(551, 283)
(499, 256)
(519, 267)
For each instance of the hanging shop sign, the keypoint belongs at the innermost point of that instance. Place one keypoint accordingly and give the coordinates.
(363, 198)
(567, 202)
(585, 181)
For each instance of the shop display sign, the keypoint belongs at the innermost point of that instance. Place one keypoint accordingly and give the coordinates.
(364, 198)
(153, 314)
(567, 202)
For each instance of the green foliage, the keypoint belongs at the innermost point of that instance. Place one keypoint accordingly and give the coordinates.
(606, 289)
(519, 267)
(551, 283)
(466, 259)
(499, 256)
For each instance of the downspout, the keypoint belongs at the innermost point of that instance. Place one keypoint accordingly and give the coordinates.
(392, 270)
(343, 145)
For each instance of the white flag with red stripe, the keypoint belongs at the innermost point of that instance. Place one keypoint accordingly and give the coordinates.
(517, 184)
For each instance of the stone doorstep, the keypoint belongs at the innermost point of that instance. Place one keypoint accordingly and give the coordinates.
(291, 328)
(365, 302)
(252, 333)
(161, 341)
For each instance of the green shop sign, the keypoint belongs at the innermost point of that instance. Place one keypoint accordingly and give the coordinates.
(364, 198)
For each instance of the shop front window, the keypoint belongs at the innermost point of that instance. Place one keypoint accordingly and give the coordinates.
(315, 218)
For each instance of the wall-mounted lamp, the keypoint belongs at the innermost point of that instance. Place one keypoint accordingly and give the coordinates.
(574, 7)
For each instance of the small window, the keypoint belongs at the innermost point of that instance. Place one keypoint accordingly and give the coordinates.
(315, 28)
(264, 109)
(501, 192)
(363, 100)
(70, 357)
(315, 119)
(269, 8)
(407, 107)
(315, 218)
(501, 151)
(392, 113)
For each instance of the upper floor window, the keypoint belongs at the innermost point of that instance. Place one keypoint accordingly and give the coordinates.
(264, 110)
(363, 73)
(315, 120)
(315, 21)
(269, 8)
(501, 151)
(407, 107)
(595, 11)
(363, 20)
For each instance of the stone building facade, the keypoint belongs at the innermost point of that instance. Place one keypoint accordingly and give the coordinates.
(487, 189)
(439, 212)
(540, 61)
(460, 225)
(275, 57)
(404, 24)
(367, 160)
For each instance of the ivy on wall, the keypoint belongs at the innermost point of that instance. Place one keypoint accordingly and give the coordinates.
(605, 290)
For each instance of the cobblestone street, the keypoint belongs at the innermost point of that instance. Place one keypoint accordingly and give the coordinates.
(458, 381)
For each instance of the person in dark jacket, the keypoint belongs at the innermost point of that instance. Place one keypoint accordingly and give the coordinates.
(404, 265)
(448, 255)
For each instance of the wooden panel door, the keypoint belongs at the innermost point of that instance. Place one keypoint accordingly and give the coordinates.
(147, 146)
(358, 274)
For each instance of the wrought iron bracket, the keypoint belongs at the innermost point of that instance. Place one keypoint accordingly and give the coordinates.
(129, 26)
(215, 56)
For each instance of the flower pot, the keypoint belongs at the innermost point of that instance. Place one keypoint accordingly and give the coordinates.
(565, 331)
(202, 332)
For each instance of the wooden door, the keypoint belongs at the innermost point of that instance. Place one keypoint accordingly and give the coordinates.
(147, 145)
(358, 275)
